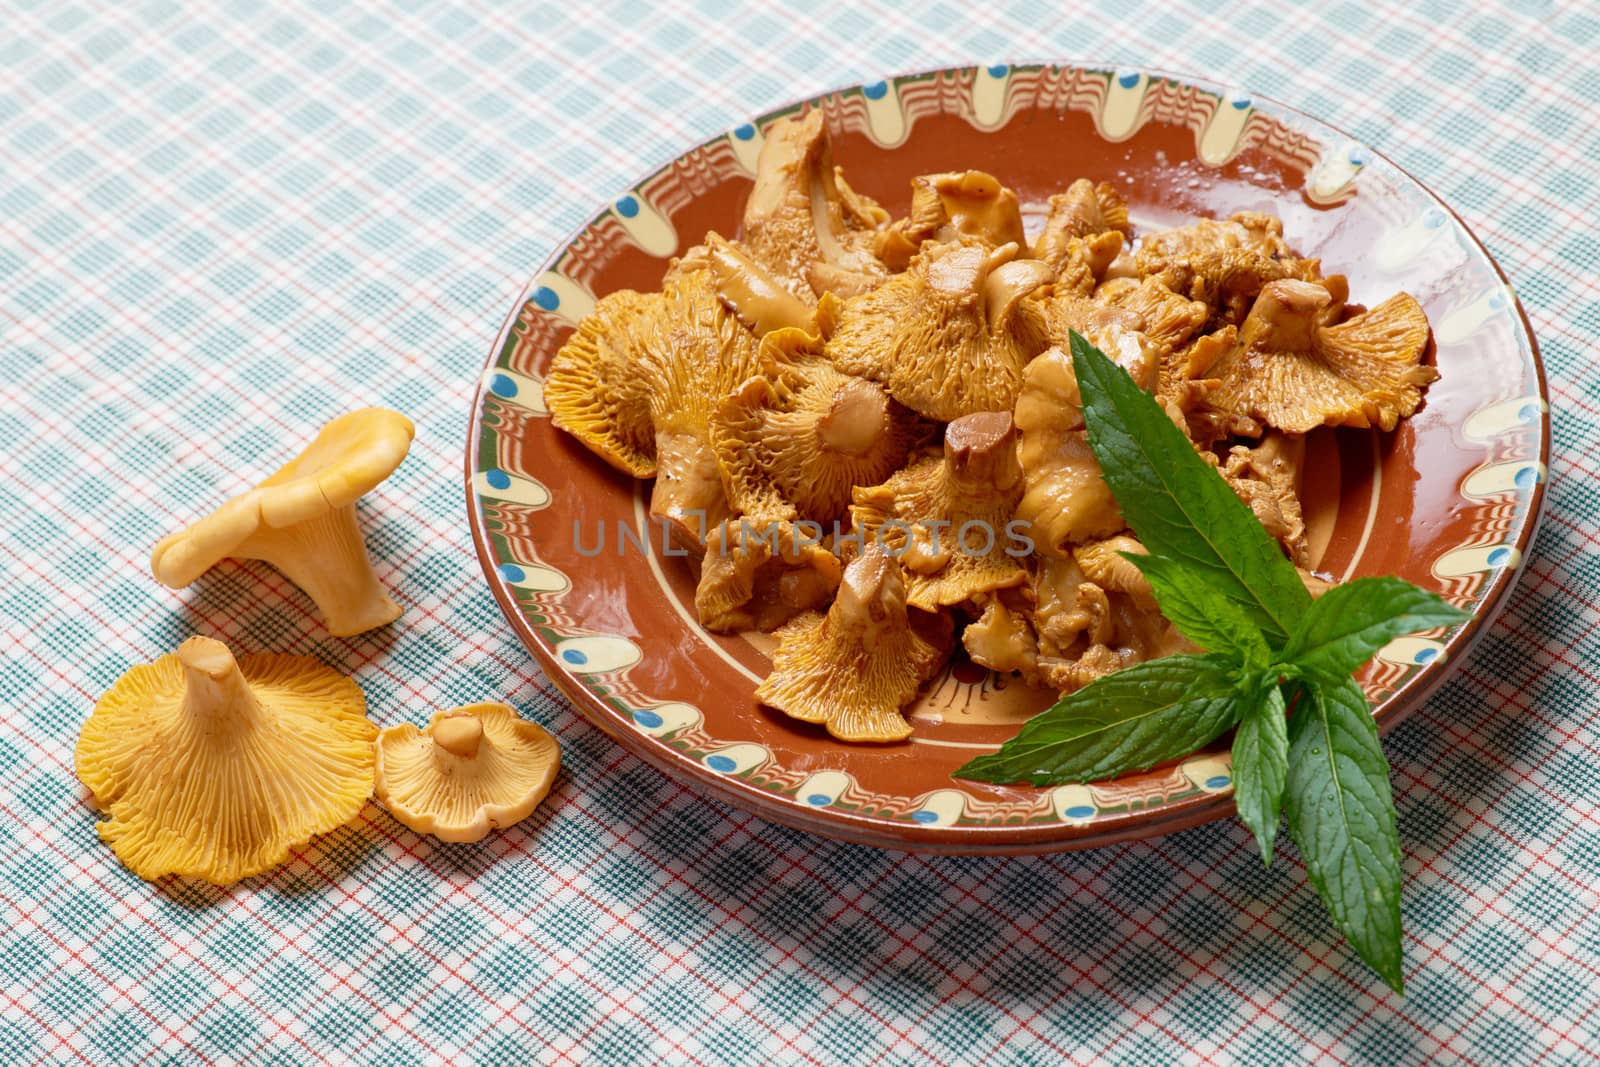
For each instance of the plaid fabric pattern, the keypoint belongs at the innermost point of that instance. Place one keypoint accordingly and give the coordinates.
(222, 225)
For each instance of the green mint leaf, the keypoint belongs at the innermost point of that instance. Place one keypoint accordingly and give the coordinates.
(1177, 503)
(1261, 765)
(1200, 613)
(1350, 622)
(1341, 814)
(1127, 721)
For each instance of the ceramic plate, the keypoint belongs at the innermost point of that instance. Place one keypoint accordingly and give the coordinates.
(1449, 501)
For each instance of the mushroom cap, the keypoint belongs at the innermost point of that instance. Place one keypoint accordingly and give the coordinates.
(1224, 264)
(1090, 624)
(1087, 262)
(693, 352)
(594, 390)
(795, 441)
(346, 460)
(950, 336)
(1002, 638)
(1290, 371)
(1250, 231)
(853, 668)
(1104, 564)
(759, 575)
(475, 768)
(799, 214)
(1083, 210)
(215, 769)
(1267, 478)
(1165, 317)
(947, 206)
(946, 518)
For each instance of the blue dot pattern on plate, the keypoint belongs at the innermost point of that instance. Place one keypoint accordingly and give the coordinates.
(1498, 300)
(546, 298)
(1425, 655)
(497, 479)
(502, 386)
(721, 764)
(1240, 102)
(628, 207)
(1499, 556)
(574, 656)
(819, 800)
(1433, 218)
(648, 719)
(875, 91)
(924, 816)
(1078, 811)
(1528, 412)
(1528, 477)
(1217, 781)
(512, 573)
(1128, 79)
(1357, 156)
(999, 70)
(745, 132)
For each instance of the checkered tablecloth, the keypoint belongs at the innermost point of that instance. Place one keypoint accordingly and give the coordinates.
(220, 225)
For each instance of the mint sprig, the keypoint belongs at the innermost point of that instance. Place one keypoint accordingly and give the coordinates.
(1278, 668)
(1136, 718)
(1190, 517)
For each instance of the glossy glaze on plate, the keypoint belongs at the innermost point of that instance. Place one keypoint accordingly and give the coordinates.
(1448, 501)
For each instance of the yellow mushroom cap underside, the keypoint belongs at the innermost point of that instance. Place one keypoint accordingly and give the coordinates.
(213, 769)
(302, 521)
(594, 390)
(855, 667)
(1291, 372)
(950, 336)
(795, 441)
(692, 352)
(474, 769)
(947, 518)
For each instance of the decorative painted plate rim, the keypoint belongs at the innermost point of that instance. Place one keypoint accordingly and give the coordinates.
(631, 725)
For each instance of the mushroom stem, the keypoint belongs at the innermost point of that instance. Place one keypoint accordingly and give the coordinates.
(460, 735)
(214, 691)
(326, 557)
(1286, 316)
(688, 491)
(825, 216)
(855, 420)
(871, 600)
(981, 452)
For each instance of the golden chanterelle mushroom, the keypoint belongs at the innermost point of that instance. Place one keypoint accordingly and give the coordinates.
(853, 668)
(950, 336)
(1293, 369)
(474, 769)
(302, 521)
(215, 768)
(794, 441)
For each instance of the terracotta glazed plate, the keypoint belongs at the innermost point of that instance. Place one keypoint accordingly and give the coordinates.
(1449, 501)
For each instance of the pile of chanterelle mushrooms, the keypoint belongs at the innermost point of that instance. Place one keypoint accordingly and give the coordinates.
(871, 430)
(212, 767)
